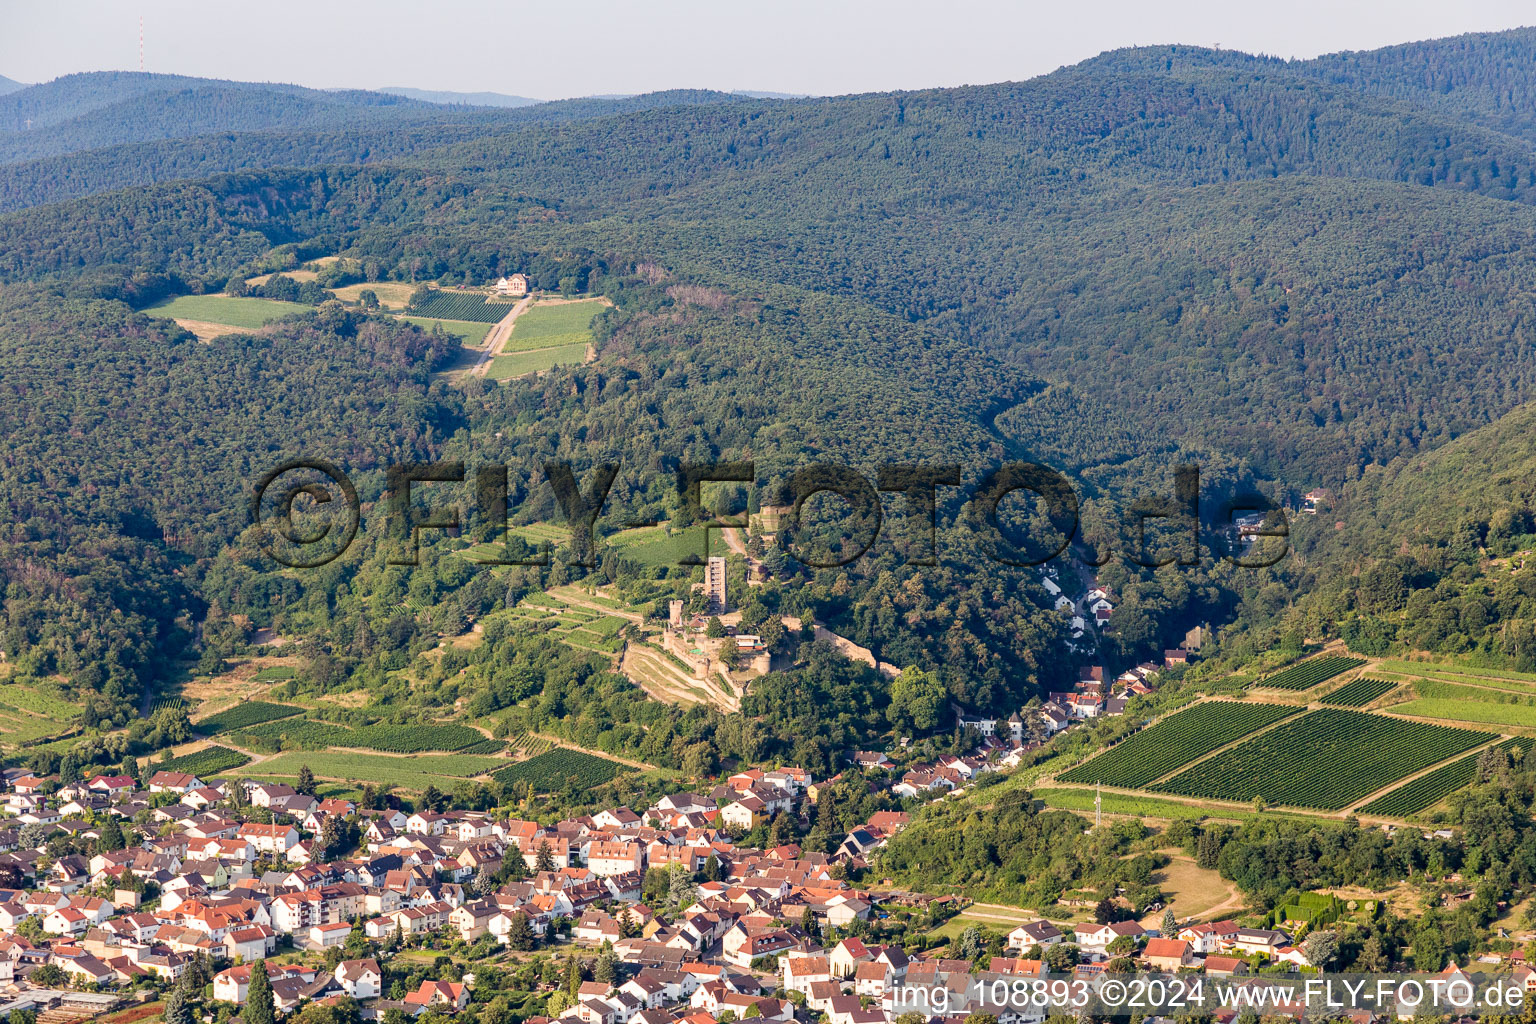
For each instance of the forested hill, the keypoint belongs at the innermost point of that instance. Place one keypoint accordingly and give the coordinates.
(1302, 277)
(1120, 266)
(472, 99)
(202, 128)
(1431, 552)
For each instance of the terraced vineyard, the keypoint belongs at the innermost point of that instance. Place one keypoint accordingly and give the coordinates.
(581, 628)
(1429, 789)
(1177, 740)
(1308, 674)
(1359, 693)
(1325, 760)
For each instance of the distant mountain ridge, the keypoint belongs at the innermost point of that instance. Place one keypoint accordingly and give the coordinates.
(10, 85)
(463, 99)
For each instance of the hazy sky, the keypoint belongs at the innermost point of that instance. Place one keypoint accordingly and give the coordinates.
(583, 47)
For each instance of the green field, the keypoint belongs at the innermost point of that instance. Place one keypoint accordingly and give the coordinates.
(225, 309)
(17, 727)
(40, 701)
(471, 335)
(1464, 710)
(1429, 789)
(1177, 740)
(1325, 760)
(551, 325)
(1359, 693)
(1064, 799)
(417, 772)
(518, 363)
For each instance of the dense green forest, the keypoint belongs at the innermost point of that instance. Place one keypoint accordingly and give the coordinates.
(1289, 273)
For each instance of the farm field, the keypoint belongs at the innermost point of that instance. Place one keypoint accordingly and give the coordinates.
(1461, 709)
(1307, 674)
(535, 534)
(546, 334)
(470, 335)
(550, 770)
(224, 309)
(1429, 789)
(516, 364)
(414, 739)
(553, 324)
(470, 306)
(1325, 760)
(1177, 740)
(417, 773)
(294, 734)
(1359, 693)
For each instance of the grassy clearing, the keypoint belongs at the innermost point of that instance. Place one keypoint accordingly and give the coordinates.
(470, 335)
(392, 294)
(224, 309)
(519, 363)
(1118, 803)
(17, 727)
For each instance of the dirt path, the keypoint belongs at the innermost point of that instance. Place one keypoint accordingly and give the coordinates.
(1234, 901)
(498, 337)
(736, 541)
